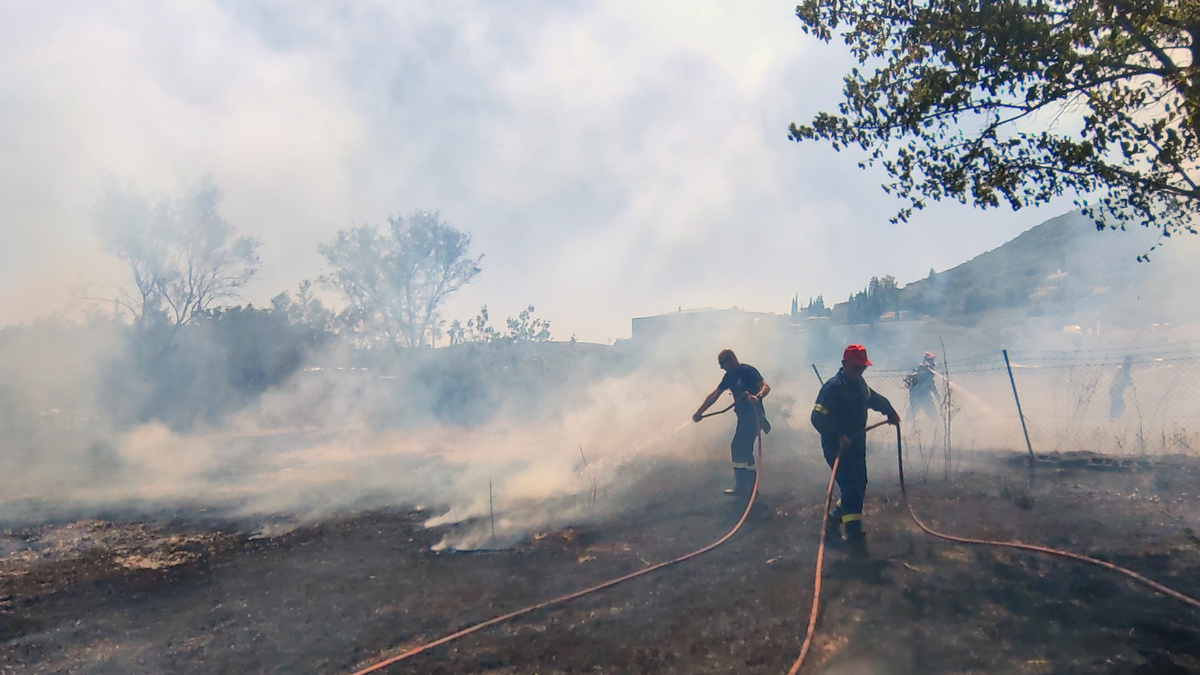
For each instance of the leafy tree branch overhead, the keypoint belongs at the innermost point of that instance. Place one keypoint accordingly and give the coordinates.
(969, 101)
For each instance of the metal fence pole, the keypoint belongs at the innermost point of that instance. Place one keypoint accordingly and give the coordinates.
(1018, 399)
(949, 413)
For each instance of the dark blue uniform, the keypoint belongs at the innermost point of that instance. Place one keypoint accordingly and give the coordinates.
(743, 380)
(921, 391)
(841, 410)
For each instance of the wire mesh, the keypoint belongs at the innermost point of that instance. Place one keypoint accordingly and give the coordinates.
(1137, 401)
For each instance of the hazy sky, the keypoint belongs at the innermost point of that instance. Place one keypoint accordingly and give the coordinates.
(611, 159)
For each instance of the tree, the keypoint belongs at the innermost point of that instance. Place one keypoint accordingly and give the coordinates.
(183, 256)
(478, 329)
(522, 328)
(525, 328)
(307, 311)
(396, 280)
(869, 304)
(456, 332)
(1021, 101)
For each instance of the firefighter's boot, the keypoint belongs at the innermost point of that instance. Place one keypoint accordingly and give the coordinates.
(743, 483)
(856, 539)
(833, 529)
(833, 525)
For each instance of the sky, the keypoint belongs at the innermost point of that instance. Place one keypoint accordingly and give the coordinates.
(609, 159)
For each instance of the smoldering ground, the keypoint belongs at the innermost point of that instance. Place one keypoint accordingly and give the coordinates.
(505, 439)
(326, 587)
(502, 440)
(246, 414)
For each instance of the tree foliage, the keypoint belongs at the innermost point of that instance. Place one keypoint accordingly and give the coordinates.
(396, 280)
(183, 256)
(526, 328)
(307, 312)
(522, 328)
(1020, 101)
(212, 366)
(868, 305)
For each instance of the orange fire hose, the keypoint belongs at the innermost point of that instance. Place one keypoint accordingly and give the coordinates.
(812, 615)
(819, 567)
(1031, 547)
(812, 619)
(592, 589)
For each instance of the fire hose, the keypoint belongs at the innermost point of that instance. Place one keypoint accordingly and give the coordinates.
(819, 566)
(812, 619)
(1031, 547)
(591, 589)
(812, 615)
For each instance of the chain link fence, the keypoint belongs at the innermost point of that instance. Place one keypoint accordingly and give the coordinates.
(1130, 402)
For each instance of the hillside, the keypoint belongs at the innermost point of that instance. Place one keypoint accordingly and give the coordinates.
(1061, 267)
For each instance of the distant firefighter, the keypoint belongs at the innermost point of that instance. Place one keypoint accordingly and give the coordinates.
(748, 388)
(1116, 391)
(922, 388)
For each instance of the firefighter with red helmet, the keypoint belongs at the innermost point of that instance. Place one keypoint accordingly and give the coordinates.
(840, 416)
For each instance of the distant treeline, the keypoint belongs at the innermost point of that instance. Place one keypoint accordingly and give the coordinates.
(201, 373)
(174, 344)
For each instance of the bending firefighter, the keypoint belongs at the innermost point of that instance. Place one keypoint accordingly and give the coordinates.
(748, 388)
(922, 388)
(840, 415)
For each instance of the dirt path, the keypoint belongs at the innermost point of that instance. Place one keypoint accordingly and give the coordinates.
(330, 597)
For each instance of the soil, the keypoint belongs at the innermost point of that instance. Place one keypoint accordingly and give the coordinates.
(187, 596)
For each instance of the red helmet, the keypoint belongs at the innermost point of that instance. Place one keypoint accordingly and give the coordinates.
(856, 355)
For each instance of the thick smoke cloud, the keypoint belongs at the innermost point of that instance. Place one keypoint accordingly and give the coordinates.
(633, 156)
(610, 159)
(539, 434)
(546, 434)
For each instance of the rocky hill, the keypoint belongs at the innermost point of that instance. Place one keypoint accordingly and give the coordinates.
(1063, 267)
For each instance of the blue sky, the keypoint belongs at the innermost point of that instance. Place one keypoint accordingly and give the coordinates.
(611, 159)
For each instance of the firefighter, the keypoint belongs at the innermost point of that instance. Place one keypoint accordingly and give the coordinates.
(1116, 389)
(922, 388)
(840, 416)
(748, 388)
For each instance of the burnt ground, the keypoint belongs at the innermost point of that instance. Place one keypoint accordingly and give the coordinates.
(191, 597)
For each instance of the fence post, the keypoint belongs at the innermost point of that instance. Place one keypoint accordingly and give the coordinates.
(949, 413)
(1018, 399)
(492, 509)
